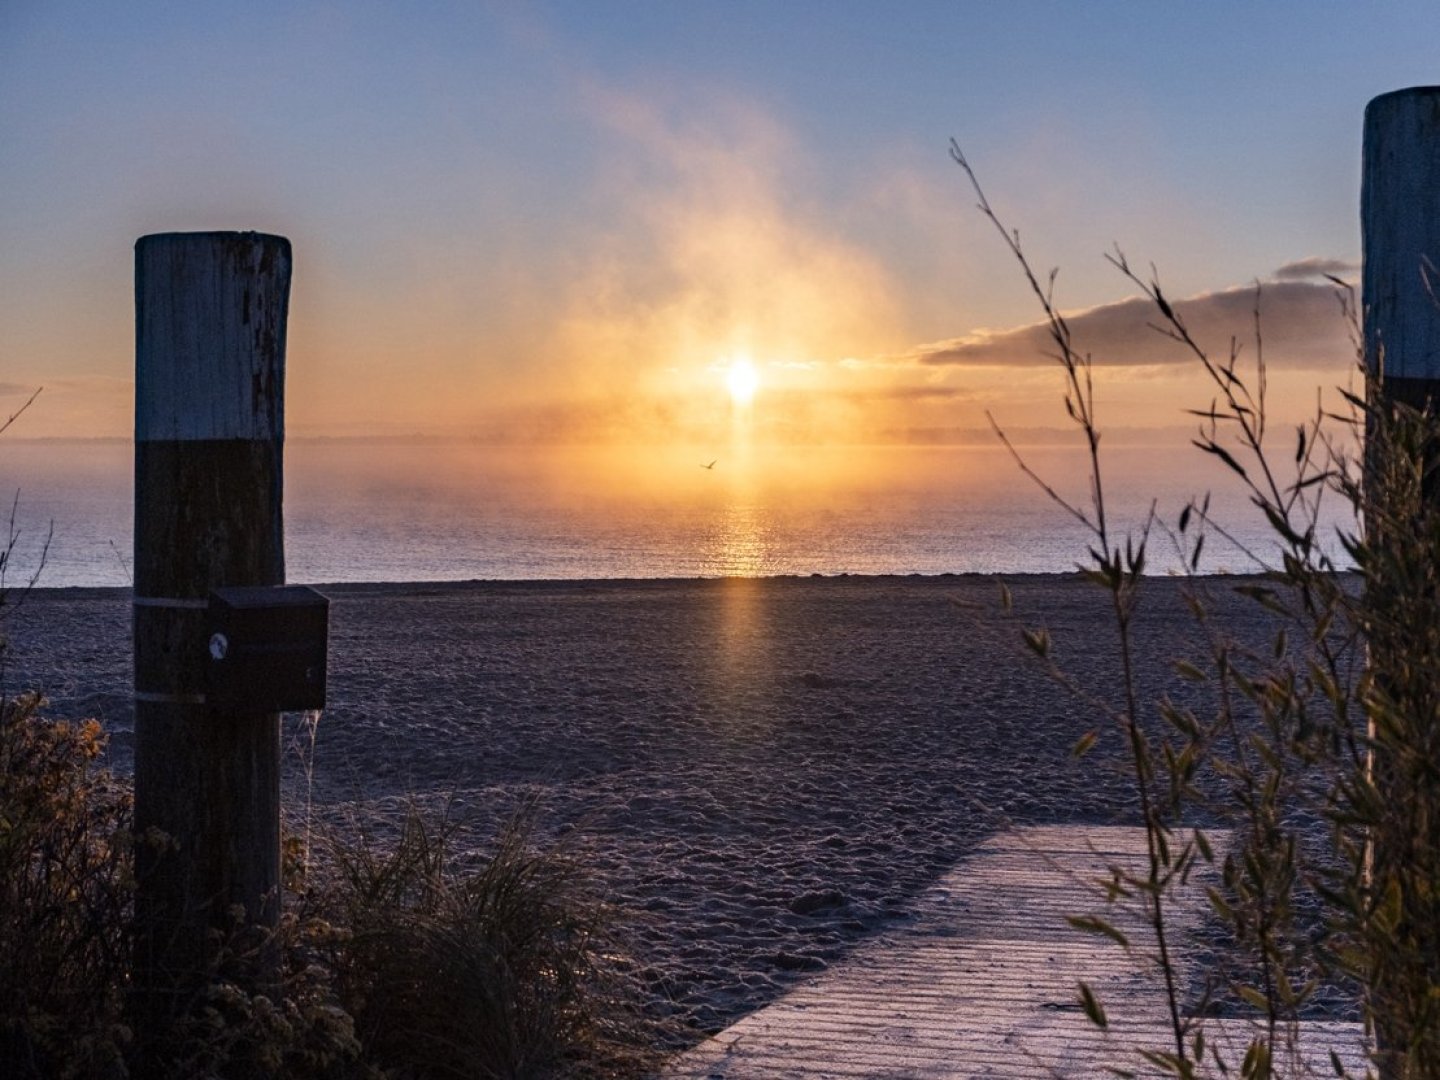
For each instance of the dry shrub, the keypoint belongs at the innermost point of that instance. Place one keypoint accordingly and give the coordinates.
(505, 971)
(65, 892)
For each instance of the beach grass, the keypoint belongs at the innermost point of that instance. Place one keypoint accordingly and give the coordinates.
(512, 968)
(1319, 753)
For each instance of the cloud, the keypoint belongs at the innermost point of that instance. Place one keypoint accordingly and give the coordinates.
(1316, 267)
(1302, 325)
(714, 246)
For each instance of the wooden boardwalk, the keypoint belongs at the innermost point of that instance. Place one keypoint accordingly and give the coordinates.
(982, 981)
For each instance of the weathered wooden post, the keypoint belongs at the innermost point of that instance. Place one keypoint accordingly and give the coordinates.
(210, 314)
(1400, 221)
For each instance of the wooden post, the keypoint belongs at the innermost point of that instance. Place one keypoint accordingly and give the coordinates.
(210, 312)
(1400, 224)
(1400, 301)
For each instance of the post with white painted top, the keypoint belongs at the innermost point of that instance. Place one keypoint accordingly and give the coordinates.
(210, 313)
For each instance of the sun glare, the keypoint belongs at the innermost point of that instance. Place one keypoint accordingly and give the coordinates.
(742, 380)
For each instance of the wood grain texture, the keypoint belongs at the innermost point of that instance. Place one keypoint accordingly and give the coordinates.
(1400, 225)
(208, 514)
(210, 317)
(981, 981)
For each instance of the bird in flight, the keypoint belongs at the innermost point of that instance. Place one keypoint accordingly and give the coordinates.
(710, 466)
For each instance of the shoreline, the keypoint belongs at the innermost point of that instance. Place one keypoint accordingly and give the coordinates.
(960, 576)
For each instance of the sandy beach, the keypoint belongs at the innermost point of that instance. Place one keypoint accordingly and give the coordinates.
(761, 773)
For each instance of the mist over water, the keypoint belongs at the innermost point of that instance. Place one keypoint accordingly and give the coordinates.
(420, 512)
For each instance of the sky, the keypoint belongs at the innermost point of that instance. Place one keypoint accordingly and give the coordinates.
(571, 221)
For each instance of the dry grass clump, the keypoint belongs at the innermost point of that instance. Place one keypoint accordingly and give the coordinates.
(506, 970)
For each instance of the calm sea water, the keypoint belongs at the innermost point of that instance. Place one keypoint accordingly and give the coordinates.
(403, 512)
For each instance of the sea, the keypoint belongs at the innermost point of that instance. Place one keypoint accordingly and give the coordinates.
(418, 510)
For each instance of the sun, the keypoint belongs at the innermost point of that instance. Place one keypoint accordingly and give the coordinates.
(742, 380)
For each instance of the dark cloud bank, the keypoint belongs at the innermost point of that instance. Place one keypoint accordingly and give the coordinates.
(1301, 319)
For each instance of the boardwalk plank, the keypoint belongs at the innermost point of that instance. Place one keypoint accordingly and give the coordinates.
(980, 981)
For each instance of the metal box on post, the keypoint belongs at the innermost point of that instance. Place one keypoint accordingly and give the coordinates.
(267, 649)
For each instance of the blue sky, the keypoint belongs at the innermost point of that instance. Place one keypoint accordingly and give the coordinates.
(533, 219)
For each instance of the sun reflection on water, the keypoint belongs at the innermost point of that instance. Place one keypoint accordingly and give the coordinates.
(741, 545)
